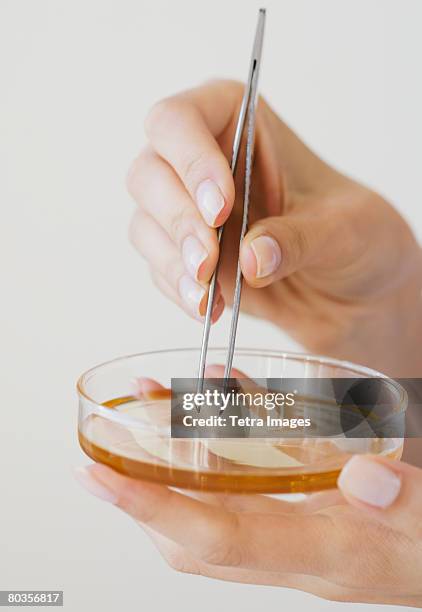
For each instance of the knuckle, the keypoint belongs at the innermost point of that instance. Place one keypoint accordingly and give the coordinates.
(224, 549)
(130, 178)
(299, 242)
(229, 87)
(295, 241)
(233, 84)
(127, 503)
(147, 513)
(193, 167)
(155, 278)
(179, 224)
(133, 230)
(223, 554)
(172, 271)
(136, 171)
(179, 563)
(136, 232)
(161, 113)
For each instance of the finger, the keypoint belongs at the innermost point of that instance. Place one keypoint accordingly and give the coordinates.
(152, 242)
(218, 537)
(181, 560)
(270, 505)
(160, 193)
(276, 247)
(143, 387)
(217, 371)
(167, 290)
(176, 556)
(182, 130)
(390, 490)
(311, 545)
(217, 309)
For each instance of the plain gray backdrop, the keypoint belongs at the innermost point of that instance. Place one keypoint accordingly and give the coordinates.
(77, 78)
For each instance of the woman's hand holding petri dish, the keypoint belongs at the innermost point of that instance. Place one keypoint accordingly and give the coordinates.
(317, 545)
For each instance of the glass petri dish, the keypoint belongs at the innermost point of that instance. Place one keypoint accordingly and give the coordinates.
(131, 432)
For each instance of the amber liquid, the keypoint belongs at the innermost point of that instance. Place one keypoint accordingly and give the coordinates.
(208, 466)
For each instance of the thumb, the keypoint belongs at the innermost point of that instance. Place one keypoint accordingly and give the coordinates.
(390, 490)
(276, 247)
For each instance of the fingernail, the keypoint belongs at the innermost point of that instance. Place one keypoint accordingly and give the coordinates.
(216, 304)
(91, 484)
(369, 481)
(215, 309)
(210, 201)
(191, 293)
(267, 254)
(193, 254)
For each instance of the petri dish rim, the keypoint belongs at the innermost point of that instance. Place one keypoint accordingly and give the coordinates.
(124, 419)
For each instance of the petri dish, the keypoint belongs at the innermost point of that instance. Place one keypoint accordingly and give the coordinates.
(131, 433)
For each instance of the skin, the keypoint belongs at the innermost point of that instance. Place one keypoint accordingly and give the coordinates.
(349, 283)
(348, 286)
(331, 545)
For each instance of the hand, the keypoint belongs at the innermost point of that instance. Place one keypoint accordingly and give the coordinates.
(362, 546)
(325, 258)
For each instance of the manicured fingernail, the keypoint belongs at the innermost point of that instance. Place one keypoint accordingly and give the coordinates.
(193, 254)
(210, 201)
(84, 476)
(267, 254)
(192, 294)
(369, 481)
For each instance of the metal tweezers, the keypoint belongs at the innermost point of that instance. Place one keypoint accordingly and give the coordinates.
(247, 112)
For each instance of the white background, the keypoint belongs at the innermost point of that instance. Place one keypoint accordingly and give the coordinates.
(77, 78)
